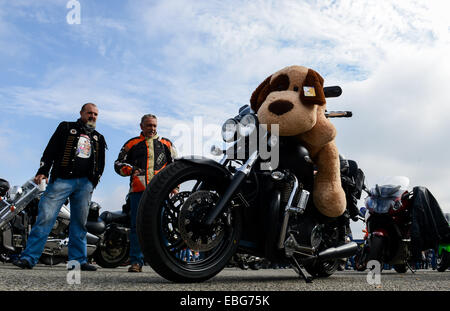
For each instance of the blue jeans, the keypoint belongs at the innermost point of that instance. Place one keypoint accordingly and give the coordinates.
(136, 256)
(79, 192)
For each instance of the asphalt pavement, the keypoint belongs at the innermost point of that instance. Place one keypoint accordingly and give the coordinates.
(57, 278)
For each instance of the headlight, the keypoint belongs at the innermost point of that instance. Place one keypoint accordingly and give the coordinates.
(229, 129)
(247, 125)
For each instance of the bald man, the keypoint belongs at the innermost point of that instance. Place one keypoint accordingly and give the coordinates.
(76, 156)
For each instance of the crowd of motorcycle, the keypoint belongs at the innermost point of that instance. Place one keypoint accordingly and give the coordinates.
(238, 215)
(107, 237)
(108, 243)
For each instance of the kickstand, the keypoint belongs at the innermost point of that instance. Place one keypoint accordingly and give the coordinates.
(409, 267)
(301, 271)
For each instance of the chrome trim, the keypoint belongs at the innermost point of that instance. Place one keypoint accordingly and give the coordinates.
(292, 246)
(287, 211)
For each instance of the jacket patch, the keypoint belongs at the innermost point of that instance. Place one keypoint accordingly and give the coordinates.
(161, 159)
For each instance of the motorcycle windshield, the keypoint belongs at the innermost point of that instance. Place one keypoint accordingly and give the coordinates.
(401, 181)
(387, 194)
(379, 205)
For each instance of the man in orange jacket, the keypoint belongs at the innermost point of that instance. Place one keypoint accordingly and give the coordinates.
(141, 158)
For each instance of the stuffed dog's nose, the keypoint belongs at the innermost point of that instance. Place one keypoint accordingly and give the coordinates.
(280, 107)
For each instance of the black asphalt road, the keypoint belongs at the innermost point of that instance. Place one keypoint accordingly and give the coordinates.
(56, 278)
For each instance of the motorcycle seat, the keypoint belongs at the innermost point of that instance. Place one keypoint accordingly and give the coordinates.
(96, 227)
(116, 217)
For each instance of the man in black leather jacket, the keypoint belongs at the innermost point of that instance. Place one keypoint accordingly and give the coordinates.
(76, 156)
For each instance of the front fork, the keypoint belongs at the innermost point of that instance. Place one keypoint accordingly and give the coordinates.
(241, 174)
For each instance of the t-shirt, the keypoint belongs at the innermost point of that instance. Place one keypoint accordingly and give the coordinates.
(82, 155)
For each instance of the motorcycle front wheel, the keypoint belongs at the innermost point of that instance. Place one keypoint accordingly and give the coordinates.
(173, 239)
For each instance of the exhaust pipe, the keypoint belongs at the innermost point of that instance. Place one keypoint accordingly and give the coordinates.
(346, 250)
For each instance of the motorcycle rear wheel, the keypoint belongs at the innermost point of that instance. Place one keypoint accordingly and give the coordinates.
(161, 237)
(111, 258)
(400, 268)
(323, 269)
(376, 248)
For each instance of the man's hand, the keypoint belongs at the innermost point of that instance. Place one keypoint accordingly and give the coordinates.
(38, 179)
(137, 171)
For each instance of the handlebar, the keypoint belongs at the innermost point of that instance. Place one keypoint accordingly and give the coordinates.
(338, 114)
(332, 91)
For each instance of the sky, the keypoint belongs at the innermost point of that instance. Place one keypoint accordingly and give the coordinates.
(194, 63)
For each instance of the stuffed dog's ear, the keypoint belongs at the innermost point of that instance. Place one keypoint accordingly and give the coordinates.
(312, 91)
(259, 95)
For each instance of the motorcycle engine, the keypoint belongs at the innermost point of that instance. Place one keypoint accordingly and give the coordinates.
(306, 231)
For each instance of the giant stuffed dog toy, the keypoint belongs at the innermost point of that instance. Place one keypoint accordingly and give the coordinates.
(294, 99)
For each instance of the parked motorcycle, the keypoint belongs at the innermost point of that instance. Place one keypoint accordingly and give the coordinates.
(388, 224)
(235, 206)
(114, 248)
(400, 224)
(18, 213)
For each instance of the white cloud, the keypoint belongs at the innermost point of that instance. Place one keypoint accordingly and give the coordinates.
(400, 124)
(181, 59)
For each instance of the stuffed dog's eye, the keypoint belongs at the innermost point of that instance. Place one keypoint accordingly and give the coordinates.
(280, 83)
(295, 88)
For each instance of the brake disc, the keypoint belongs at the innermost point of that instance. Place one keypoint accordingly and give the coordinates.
(197, 236)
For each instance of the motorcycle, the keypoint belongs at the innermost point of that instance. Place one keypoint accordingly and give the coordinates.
(240, 205)
(388, 220)
(114, 247)
(18, 213)
(400, 224)
(389, 224)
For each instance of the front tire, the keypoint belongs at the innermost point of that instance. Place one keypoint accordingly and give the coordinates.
(162, 234)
